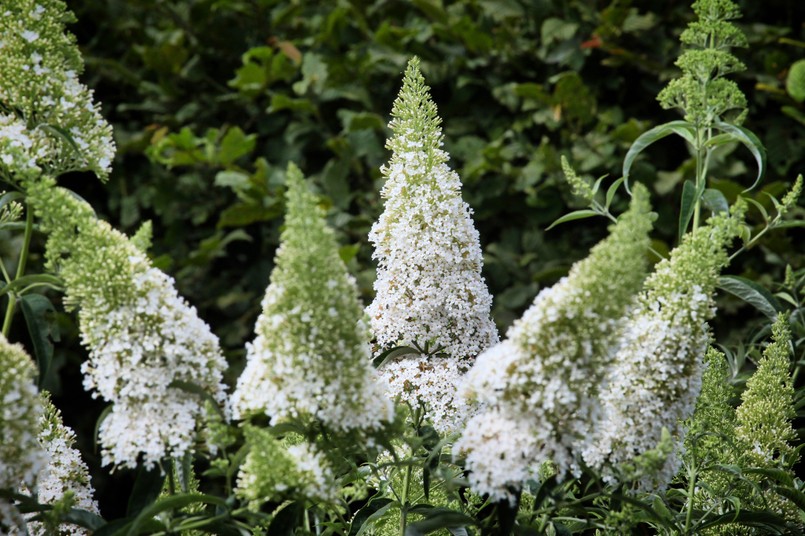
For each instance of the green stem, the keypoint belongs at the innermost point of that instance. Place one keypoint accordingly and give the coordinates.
(692, 474)
(407, 478)
(23, 260)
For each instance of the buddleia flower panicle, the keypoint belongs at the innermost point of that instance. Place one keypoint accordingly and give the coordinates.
(21, 456)
(656, 374)
(287, 468)
(711, 428)
(55, 128)
(702, 93)
(141, 336)
(764, 433)
(429, 288)
(311, 357)
(539, 386)
(65, 474)
(758, 435)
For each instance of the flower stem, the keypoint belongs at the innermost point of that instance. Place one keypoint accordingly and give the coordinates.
(23, 260)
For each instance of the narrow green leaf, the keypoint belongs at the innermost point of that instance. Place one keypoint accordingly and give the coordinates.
(173, 502)
(793, 495)
(690, 196)
(38, 313)
(760, 208)
(680, 128)
(598, 182)
(436, 518)
(779, 475)
(363, 518)
(611, 192)
(766, 520)
(752, 293)
(748, 138)
(147, 487)
(720, 139)
(715, 201)
(575, 215)
(85, 519)
(388, 355)
(32, 279)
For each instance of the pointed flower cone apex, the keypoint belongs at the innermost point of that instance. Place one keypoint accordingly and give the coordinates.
(657, 373)
(144, 340)
(429, 289)
(764, 418)
(311, 356)
(21, 456)
(56, 128)
(540, 385)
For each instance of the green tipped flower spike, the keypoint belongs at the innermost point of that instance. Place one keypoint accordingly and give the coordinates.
(146, 344)
(540, 385)
(429, 290)
(21, 456)
(311, 357)
(55, 128)
(657, 372)
(64, 478)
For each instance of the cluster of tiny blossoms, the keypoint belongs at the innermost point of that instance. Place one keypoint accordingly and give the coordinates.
(429, 288)
(65, 473)
(288, 468)
(656, 374)
(311, 357)
(21, 456)
(539, 386)
(56, 128)
(759, 434)
(142, 337)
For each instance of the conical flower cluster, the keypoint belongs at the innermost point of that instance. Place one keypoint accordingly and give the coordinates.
(56, 128)
(311, 357)
(64, 473)
(145, 342)
(21, 456)
(758, 435)
(290, 467)
(429, 289)
(539, 386)
(656, 375)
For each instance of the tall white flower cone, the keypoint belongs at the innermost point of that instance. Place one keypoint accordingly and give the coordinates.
(429, 289)
(539, 387)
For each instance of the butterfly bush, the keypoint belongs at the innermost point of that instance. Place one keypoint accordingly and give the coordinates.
(21, 456)
(311, 357)
(56, 128)
(65, 473)
(539, 386)
(656, 374)
(429, 289)
(146, 344)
